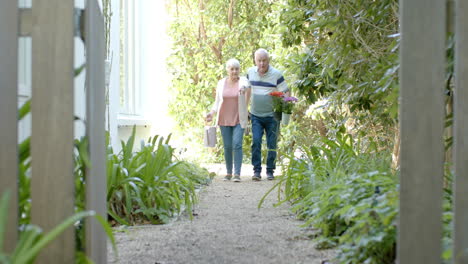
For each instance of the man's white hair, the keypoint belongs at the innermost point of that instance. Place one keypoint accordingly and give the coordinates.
(262, 51)
(232, 63)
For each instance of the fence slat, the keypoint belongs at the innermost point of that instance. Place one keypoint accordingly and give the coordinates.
(422, 72)
(9, 114)
(96, 246)
(460, 234)
(25, 25)
(52, 182)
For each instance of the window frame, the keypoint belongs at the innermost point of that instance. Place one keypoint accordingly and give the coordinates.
(131, 92)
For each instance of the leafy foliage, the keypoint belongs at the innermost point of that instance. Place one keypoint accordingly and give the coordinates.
(343, 55)
(158, 188)
(205, 35)
(350, 52)
(32, 239)
(348, 192)
(150, 185)
(343, 51)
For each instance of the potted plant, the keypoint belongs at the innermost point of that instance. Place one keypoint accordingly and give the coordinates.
(277, 104)
(288, 105)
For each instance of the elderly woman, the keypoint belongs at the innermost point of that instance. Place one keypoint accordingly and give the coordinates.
(232, 95)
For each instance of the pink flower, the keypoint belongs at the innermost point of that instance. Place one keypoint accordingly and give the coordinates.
(290, 99)
(288, 104)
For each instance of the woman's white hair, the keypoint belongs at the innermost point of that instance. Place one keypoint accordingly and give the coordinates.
(232, 63)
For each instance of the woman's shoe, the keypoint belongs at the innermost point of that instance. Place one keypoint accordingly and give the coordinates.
(237, 178)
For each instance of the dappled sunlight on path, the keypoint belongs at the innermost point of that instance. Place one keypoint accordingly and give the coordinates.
(227, 228)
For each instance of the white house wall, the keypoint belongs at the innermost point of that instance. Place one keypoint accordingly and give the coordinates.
(79, 83)
(152, 78)
(155, 49)
(114, 79)
(24, 77)
(150, 50)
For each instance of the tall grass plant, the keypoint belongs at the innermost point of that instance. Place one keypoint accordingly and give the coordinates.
(345, 190)
(151, 185)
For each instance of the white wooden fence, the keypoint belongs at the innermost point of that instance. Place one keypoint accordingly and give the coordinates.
(9, 111)
(460, 233)
(52, 26)
(422, 76)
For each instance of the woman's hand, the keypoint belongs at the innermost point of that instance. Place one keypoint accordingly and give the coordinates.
(244, 89)
(209, 117)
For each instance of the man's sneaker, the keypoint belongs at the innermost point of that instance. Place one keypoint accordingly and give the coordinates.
(256, 177)
(228, 177)
(236, 178)
(270, 176)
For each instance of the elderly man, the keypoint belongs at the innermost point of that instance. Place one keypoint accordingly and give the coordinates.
(264, 79)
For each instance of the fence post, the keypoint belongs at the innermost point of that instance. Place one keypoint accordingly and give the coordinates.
(96, 243)
(9, 115)
(422, 57)
(52, 182)
(460, 234)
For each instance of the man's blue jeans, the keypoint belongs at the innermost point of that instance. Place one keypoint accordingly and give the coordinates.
(269, 126)
(232, 141)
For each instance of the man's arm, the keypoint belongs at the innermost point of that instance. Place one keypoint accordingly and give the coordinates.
(282, 86)
(247, 90)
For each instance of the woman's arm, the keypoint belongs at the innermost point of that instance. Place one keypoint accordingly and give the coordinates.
(209, 116)
(214, 109)
(247, 97)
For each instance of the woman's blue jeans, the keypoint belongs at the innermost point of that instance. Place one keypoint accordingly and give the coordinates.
(261, 125)
(232, 141)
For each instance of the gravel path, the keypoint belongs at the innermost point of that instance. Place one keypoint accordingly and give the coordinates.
(227, 228)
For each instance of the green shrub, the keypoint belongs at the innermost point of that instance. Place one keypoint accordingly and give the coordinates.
(150, 185)
(348, 192)
(32, 239)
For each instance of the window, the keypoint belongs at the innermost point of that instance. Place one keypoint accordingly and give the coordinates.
(131, 102)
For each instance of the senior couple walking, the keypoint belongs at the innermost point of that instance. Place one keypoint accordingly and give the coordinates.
(234, 95)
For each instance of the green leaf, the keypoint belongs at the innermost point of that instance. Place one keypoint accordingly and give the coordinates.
(24, 109)
(30, 253)
(3, 215)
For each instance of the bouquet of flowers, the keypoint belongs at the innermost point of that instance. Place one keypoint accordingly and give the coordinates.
(277, 101)
(288, 104)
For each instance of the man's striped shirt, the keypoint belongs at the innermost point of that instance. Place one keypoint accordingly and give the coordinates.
(262, 86)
